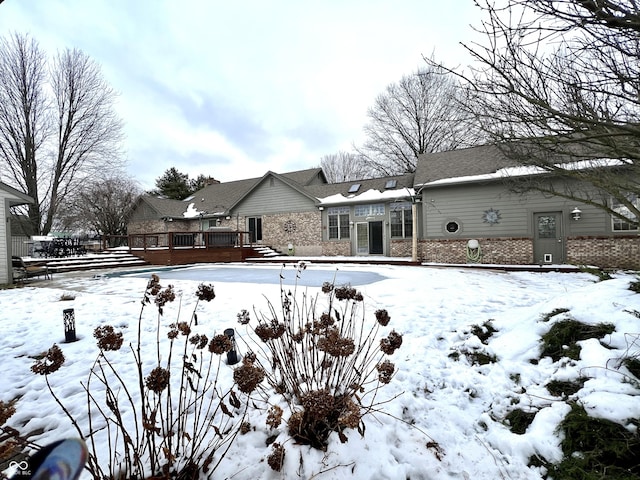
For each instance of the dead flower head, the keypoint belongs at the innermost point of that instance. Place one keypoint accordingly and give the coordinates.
(205, 292)
(391, 343)
(200, 341)
(165, 296)
(276, 458)
(7, 409)
(154, 287)
(108, 338)
(270, 331)
(183, 328)
(318, 404)
(243, 317)
(51, 362)
(220, 344)
(382, 316)
(327, 287)
(158, 380)
(385, 371)
(248, 377)
(350, 416)
(336, 345)
(274, 417)
(346, 292)
(326, 320)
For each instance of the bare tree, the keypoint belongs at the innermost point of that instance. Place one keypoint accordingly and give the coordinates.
(100, 206)
(345, 166)
(88, 131)
(23, 116)
(557, 87)
(419, 114)
(76, 125)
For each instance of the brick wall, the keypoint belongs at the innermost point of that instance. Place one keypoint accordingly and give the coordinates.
(146, 226)
(494, 250)
(605, 252)
(301, 229)
(342, 248)
(401, 248)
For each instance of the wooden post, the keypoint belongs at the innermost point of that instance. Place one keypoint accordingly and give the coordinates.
(414, 230)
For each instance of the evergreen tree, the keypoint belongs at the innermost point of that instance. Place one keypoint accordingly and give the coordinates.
(174, 184)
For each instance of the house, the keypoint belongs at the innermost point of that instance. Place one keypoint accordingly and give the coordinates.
(456, 208)
(9, 197)
(465, 197)
(295, 212)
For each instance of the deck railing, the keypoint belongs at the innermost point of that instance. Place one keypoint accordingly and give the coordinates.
(187, 240)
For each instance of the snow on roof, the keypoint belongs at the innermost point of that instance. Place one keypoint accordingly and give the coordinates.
(192, 211)
(527, 170)
(368, 196)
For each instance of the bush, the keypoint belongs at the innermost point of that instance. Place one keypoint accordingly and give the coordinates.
(595, 448)
(559, 388)
(324, 357)
(175, 421)
(560, 340)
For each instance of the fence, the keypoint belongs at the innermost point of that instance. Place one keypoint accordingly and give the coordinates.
(21, 246)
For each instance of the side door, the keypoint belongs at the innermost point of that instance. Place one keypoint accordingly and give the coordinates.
(255, 229)
(548, 242)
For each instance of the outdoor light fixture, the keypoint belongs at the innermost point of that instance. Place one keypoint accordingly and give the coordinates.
(576, 213)
(69, 319)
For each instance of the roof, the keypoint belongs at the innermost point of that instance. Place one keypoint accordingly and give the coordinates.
(370, 189)
(466, 162)
(16, 196)
(218, 198)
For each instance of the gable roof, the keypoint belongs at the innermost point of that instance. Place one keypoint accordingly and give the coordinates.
(217, 199)
(288, 179)
(16, 197)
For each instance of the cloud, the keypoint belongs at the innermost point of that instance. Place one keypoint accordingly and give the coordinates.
(252, 86)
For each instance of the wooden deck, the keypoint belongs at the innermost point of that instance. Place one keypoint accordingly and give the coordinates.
(181, 248)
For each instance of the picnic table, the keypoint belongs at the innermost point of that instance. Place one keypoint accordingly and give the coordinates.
(60, 247)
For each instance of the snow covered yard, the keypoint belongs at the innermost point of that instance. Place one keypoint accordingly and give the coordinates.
(457, 379)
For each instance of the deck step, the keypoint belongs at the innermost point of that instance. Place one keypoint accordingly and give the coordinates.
(90, 261)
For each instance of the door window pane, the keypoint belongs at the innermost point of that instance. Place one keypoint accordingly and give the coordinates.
(547, 226)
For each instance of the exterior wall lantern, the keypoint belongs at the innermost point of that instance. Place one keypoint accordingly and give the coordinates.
(576, 213)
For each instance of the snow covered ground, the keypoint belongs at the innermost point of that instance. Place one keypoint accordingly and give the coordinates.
(448, 419)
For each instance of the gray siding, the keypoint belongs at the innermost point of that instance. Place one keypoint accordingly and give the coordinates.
(466, 204)
(273, 196)
(142, 212)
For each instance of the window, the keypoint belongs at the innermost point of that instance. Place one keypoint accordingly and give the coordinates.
(401, 220)
(618, 224)
(452, 227)
(354, 188)
(367, 210)
(338, 223)
(390, 184)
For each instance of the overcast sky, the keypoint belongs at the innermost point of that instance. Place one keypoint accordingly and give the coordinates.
(235, 89)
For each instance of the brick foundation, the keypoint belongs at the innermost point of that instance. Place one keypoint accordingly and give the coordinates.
(342, 248)
(605, 252)
(401, 248)
(514, 251)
